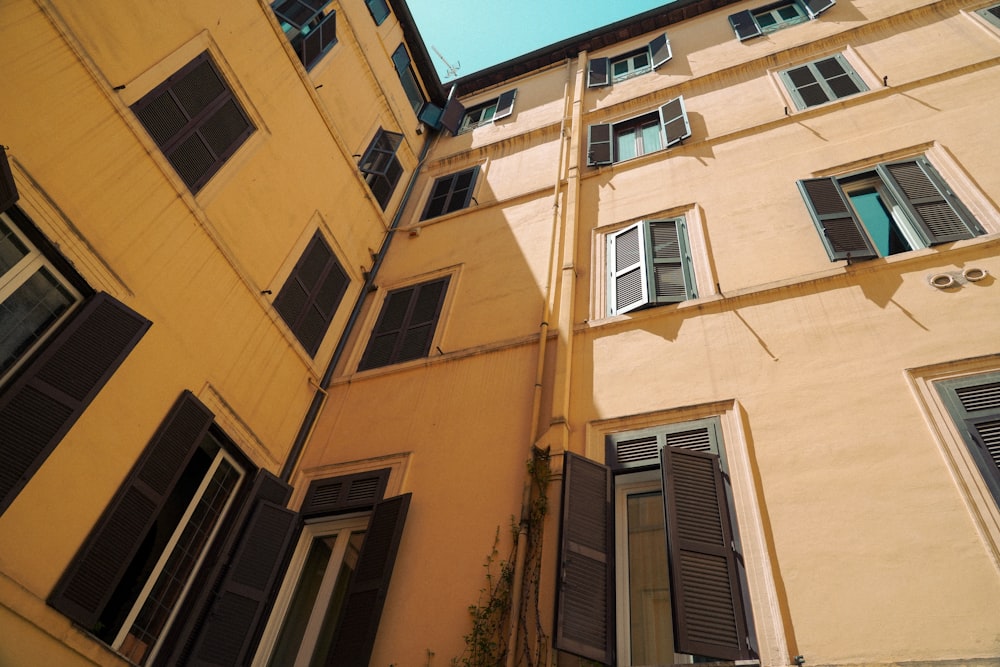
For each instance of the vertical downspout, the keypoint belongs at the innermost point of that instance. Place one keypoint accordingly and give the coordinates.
(536, 402)
(319, 398)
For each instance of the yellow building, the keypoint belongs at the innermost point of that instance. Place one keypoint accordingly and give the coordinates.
(677, 341)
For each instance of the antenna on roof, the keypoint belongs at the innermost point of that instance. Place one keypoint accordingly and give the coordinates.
(452, 69)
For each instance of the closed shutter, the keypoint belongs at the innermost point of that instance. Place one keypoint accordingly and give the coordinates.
(744, 25)
(54, 389)
(974, 404)
(670, 268)
(355, 637)
(379, 10)
(627, 260)
(96, 570)
(310, 297)
(505, 104)
(709, 618)
(344, 493)
(817, 7)
(599, 145)
(406, 325)
(840, 230)
(598, 72)
(451, 193)
(8, 189)
(674, 118)
(660, 51)
(938, 214)
(585, 597)
(400, 58)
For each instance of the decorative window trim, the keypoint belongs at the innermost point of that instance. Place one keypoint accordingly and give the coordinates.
(990, 14)
(746, 25)
(600, 71)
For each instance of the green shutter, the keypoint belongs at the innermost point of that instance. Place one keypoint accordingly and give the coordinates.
(670, 269)
(839, 228)
(974, 405)
(938, 215)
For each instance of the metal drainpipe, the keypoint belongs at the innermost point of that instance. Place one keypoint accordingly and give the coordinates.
(522, 536)
(319, 398)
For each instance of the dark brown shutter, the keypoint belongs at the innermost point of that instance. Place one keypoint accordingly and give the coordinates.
(938, 214)
(841, 231)
(659, 50)
(8, 189)
(310, 297)
(355, 637)
(505, 104)
(744, 25)
(817, 7)
(232, 627)
(599, 145)
(406, 325)
(674, 118)
(451, 117)
(97, 568)
(709, 619)
(345, 493)
(598, 72)
(585, 592)
(54, 389)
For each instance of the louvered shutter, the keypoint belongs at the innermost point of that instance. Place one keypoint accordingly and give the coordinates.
(974, 404)
(355, 637)
(817, 7)
(628, 269)
(598, 72)
(599, 145)
(233, 623)
(838, 226)
(8, 189)
(344, 493)
(405, 326)
(451, 117)
(670, 266)
(585, 597)
(379, 10)
(660, 51)
(54, 389)
(674, 118)
(709, 618)
(310, 297)
(938, 214)
(99, 565)
(744, 25)
(505, 104)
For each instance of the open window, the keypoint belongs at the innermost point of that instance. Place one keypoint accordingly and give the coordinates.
(488, 112)
(608, 143)
(310, 26)
(381, 167)
(775, 16)
(649, 263)
(605, 71)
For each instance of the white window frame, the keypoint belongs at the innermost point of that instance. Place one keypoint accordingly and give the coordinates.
(313, 530)
(468, 123)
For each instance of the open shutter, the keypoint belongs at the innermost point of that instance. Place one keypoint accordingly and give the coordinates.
(91, 578)
(400, 58)
(744, 25)
(840, 230)
(628, 268)
(54, 389)
(817, 7)
(938, 214)
(505, 104)
(355, 636)
(670, 265)
(708, 611)
(676, 127)
(598, 72)
(659, 50)
(585, 593)
(344, 493)
(431, 115)
(8, 190)
(599, 145)
(451, 117)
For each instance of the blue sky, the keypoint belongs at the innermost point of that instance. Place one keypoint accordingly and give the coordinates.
(476, 34)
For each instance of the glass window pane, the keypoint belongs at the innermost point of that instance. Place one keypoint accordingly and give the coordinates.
(303, 601)
(336, 605)
(650, 138)
(626, 145)
(651, 631)
(11, 249)
(27, 313)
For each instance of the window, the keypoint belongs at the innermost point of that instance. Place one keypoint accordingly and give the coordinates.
(350, 532)
(974, 404)
(651, 570)
(309, 25)
(195, 120)
(604, 71)
(451, 193)
(310, 297)
(608, 143)
(379, 10)
(649, 263)
(401, 59)
(991, 14)
(381, 166)
(895, 207)
(822, 81)
(128, 581)
(756, 22)
(59, 345)
(483, 114)
(405, 326)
